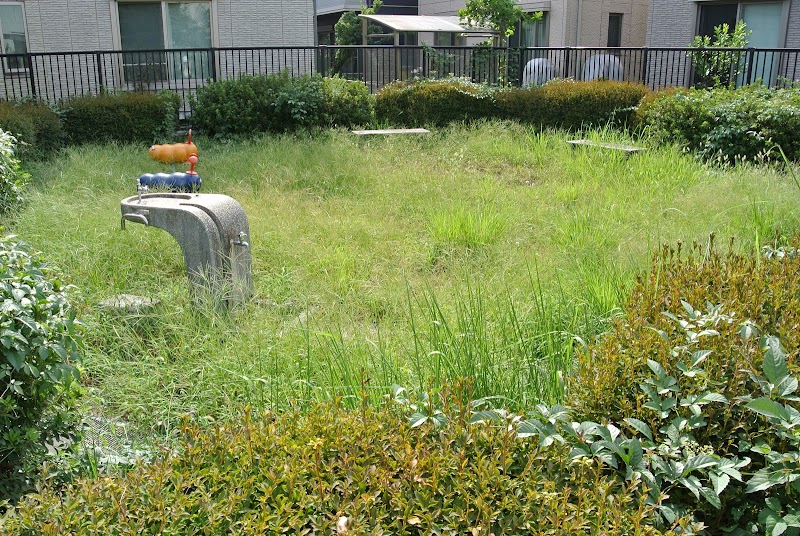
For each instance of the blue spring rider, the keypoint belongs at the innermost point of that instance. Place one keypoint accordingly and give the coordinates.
(177, 182)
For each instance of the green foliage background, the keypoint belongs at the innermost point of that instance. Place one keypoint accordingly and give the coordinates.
(40, 347)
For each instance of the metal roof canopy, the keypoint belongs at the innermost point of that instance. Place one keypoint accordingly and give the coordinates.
(424, 23)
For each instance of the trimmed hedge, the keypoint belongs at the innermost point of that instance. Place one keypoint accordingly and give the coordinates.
(332, 471)
(433, 102)
(727, 124)
(37, 128)
(562, 104)
(279, 103)
(129, 117)
(572, 105)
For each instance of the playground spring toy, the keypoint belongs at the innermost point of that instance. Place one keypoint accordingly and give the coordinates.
(177, 182)
(174, 153)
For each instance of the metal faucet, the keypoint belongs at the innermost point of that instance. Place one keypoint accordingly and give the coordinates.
(241, 241)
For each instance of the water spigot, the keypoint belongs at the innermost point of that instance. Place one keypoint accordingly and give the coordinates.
(141, 189)
(241, 241)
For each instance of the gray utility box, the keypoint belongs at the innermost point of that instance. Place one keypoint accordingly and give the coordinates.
(213, 232)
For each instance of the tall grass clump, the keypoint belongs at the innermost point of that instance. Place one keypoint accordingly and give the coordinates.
(520, 350)
(463, 230)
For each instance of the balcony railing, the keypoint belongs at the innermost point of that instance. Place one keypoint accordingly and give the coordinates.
(55, 77)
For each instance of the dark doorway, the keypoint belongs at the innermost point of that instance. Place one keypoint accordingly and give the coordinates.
(614, 30)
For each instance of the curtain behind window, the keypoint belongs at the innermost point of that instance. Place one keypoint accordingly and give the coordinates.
(13, 26)
(189, 26)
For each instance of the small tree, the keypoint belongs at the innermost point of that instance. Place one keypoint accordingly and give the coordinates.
(347, 31)
(501, 16)
(718, 68)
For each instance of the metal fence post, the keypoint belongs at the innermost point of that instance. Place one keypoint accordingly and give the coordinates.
(566, 61)
(98, 58)
(750, 56)
(213, 64)
(31, 74)
(645, 66)
(322, 62)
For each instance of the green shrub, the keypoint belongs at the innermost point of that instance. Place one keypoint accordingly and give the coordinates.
(572, 105)
(279, 103)
(727, 124)
(12, 179)
(127, 117)
(677, 464)
(433, 102)
(761, 290)
(37, 128)
(717, 68)
(39, 340)
(333, 471)
(758, 294)
(347, 103)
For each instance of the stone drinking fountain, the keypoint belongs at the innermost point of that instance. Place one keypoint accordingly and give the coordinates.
(214, 235)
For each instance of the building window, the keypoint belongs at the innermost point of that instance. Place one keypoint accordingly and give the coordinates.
(12, 27)
(146, 28)
(614, 30)
(715, 15)
(764, 20)
(444, 39)
(765, 23)
(531, 34)
(407, 38)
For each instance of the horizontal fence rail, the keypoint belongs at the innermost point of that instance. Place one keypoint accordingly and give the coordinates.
(57, 77)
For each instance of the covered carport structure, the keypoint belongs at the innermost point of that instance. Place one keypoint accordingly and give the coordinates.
(424, 28)
(405, 47)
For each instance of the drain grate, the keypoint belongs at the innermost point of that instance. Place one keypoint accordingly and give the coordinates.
(113, 441)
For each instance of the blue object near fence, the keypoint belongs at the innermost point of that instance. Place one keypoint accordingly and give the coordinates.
(176, 182)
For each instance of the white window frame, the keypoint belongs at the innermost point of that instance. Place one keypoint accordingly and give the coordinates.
(16, 70)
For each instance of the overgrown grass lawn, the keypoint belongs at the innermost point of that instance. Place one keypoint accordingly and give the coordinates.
(486, 251)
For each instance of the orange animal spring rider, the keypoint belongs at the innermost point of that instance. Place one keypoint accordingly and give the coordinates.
(173, 153)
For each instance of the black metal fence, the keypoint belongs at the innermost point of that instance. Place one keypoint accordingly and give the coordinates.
(55, 77)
